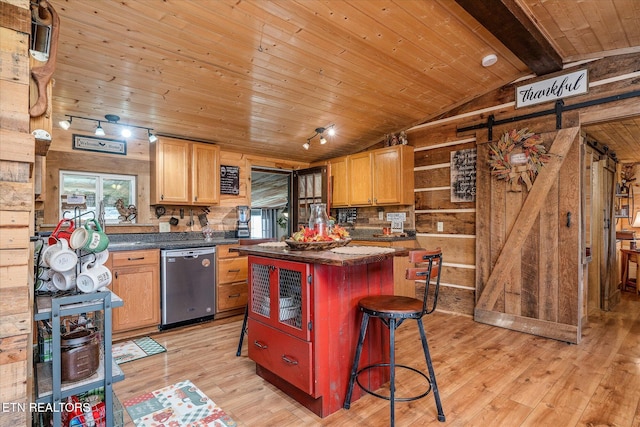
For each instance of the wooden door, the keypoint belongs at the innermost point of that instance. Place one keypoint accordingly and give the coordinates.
(170, 171)
(387, 176)
(205, 176)
(360, 179)
(139, 288)
(528, 245)
(609, 276)
(339, 186)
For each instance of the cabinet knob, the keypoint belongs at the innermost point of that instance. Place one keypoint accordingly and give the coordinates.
(162, 197)
(195, 198)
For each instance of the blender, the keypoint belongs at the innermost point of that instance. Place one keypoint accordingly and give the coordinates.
(242, 229)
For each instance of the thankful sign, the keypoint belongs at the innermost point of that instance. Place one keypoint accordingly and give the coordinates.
(572, 84)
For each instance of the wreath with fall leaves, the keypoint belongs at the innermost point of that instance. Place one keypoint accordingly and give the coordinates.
(517, 157)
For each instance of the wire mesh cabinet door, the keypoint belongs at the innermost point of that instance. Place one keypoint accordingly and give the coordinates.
(280, 295)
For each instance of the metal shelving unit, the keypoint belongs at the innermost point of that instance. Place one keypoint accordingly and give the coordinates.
(48, 385)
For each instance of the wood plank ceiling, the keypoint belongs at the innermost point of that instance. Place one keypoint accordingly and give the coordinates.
(260, 76)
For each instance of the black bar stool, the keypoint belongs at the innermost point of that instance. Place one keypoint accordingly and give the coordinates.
(243, 331)
(393, 311)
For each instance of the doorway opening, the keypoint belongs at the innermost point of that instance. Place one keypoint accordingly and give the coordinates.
(270, 197)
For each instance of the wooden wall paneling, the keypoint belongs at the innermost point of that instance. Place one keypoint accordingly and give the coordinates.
(451, 299)
(453, 222)
(439, 199)
(435, 156)
(438, 176)
(459, 274)
(455, 249)
(14, 267)
(17, 72)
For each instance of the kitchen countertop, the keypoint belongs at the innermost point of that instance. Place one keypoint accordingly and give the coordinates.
(326, 257)
(138, 241)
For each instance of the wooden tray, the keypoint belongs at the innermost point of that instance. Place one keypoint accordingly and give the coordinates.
(316, 246)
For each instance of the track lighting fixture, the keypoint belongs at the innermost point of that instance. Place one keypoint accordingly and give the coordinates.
(320, 131)
(111, 119)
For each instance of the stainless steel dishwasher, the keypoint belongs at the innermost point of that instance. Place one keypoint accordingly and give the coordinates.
(188, 279)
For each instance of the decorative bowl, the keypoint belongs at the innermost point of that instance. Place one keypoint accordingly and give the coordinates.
(316, 246)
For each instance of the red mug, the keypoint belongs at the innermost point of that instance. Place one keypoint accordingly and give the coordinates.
(62, 233)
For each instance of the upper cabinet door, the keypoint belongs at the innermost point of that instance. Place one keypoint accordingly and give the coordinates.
(205, 180)
(170, 171)
(393, 175)
(360, 179)
(339, 183)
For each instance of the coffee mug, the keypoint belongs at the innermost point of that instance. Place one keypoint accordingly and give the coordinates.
(90, 238)
(93, 277)
(59, 257)
(64, 281)
(62, 233)
(101, 257)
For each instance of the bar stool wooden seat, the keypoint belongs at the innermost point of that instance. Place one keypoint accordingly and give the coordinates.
(393, 310)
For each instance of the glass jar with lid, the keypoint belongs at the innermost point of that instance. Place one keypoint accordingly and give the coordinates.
(318, 219)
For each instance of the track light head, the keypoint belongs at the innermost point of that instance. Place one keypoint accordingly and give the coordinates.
(306, 145)
(152, 137)
(125, 132)
(323, 140)
(99, 130)
(65, 124)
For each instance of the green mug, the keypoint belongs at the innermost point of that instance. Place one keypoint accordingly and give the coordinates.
(90, 238)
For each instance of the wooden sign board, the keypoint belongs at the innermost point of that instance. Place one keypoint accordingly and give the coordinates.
(463, 175)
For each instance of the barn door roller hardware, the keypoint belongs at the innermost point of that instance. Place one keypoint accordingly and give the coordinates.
(558, 109)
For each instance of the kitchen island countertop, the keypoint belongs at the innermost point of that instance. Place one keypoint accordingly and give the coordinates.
(326, 257)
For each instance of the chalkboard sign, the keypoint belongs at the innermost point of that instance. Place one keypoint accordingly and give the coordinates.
(229, 180)
(463, 175)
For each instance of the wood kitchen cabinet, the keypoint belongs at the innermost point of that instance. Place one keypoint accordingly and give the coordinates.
(184, 172)
(136, 279)
(375, 178)
(339, 185)
(231, 290)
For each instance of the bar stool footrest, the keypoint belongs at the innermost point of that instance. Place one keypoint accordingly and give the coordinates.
(397, 399)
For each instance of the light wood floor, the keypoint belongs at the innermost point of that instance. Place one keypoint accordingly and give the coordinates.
(488, 376)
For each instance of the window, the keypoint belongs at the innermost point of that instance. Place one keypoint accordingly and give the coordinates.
(85, 191)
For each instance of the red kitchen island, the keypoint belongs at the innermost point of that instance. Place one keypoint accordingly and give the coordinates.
(303, 320)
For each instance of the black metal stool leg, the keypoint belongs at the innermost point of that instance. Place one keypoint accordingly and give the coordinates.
(243, 331)
(356, 360)
(432, 374)
(392, 368)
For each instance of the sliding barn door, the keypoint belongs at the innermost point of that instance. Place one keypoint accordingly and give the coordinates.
(528, 254)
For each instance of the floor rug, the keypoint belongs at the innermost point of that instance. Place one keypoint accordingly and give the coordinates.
(177, 405)
(138, 348)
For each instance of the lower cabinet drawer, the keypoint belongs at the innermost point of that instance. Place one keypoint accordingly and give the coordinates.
(232, 295)
(288, 357)
(232, 269)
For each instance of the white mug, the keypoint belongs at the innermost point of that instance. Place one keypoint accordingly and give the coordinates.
(102, 256)
(64, 281)
(59, 257)
(93, 277)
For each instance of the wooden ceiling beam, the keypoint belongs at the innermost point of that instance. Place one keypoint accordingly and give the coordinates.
(511, 25)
